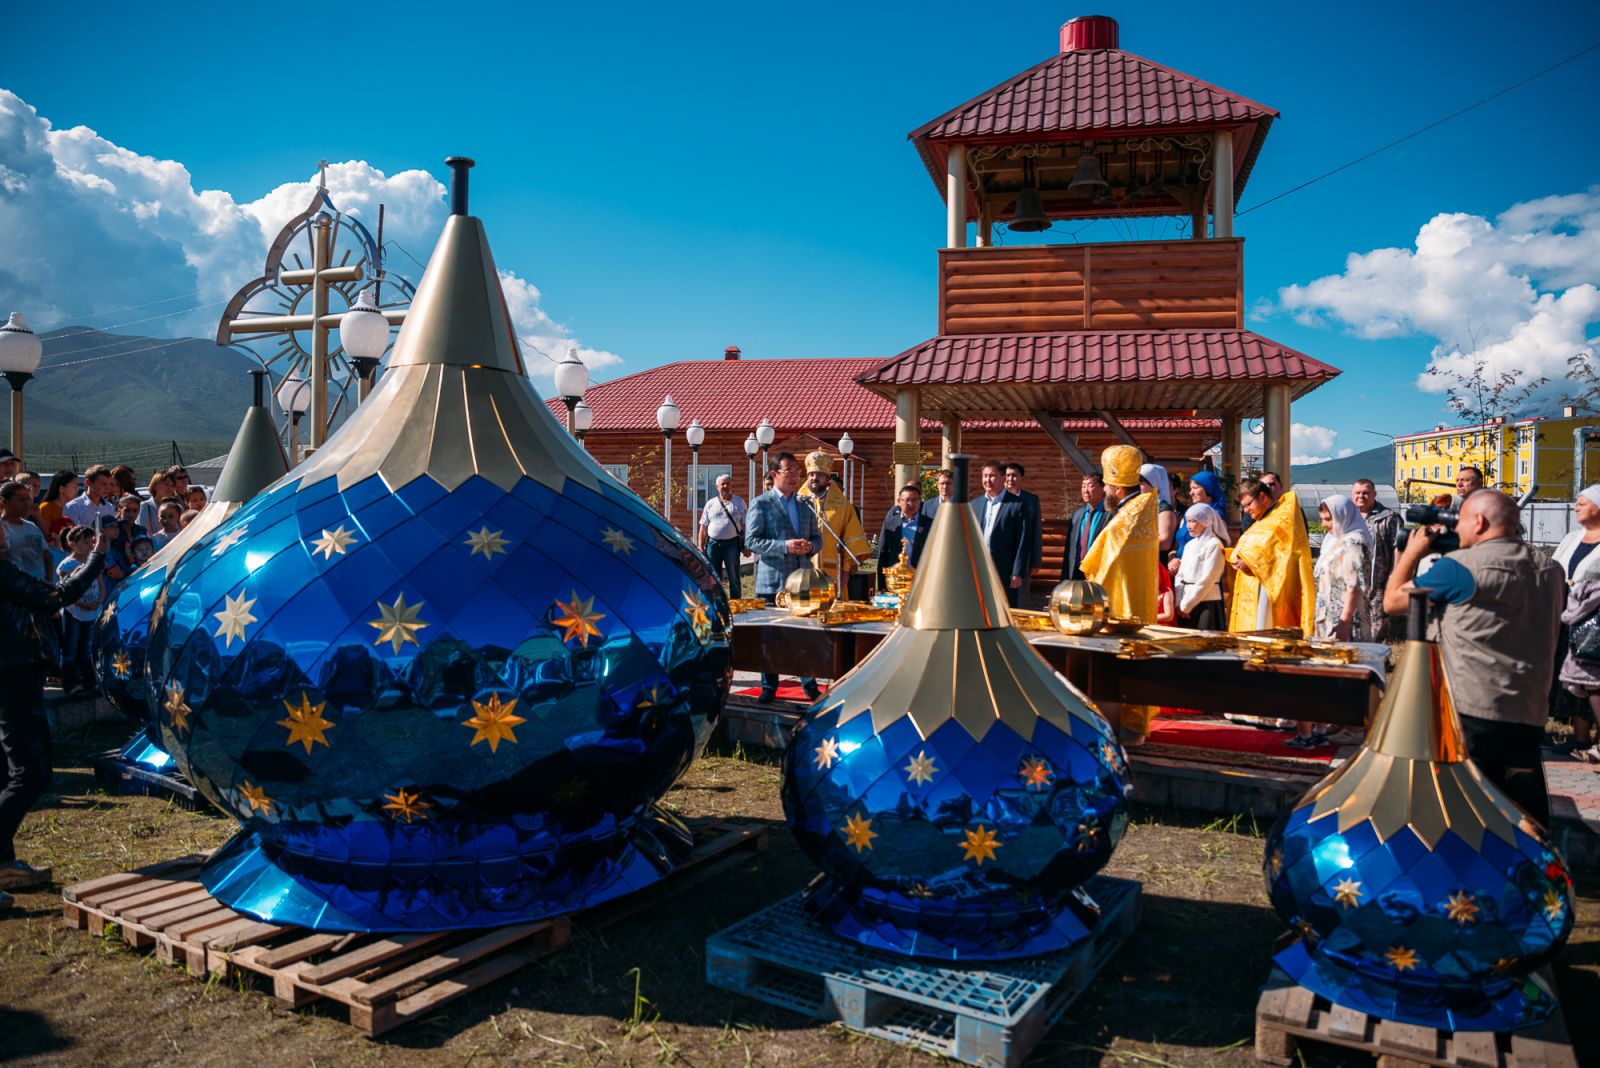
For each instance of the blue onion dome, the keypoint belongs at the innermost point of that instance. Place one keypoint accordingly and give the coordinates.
(1419, 891)
(254, 462)
(441, 671)
(955, 790)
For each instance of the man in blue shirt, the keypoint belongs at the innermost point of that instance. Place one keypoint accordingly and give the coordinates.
(906, 526)
(1086, 524)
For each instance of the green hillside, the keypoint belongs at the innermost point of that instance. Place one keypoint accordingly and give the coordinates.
(1376, 464)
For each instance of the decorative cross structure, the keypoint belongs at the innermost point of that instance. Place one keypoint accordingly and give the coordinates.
(286, 302)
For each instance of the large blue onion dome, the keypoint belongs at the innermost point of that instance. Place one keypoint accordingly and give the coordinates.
(954, 788)
(1420, 892)
(442, 670)
(255, 461)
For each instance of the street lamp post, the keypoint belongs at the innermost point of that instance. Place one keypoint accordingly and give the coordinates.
(572, 378)
(696, 437)
(846, 447)
(751, 447)
(765, 433)
(294, 396)
(582, 420)
(20, 350)
(364, 334)
(667, 417)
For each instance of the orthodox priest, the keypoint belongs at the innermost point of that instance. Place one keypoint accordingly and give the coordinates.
(1124, 559)
(842, 522)
(1272, 585)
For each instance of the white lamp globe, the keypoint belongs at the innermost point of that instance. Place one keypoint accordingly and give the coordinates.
(751, 446)
(363, 331)
(766, 432)
(695, 435)
(294, 393)
(667, 415)
(572, 376)
(846, 445)
(20, 348)
(582, 417)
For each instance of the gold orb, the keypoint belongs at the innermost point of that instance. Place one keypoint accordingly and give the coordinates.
(806, 592)
(1079, 607)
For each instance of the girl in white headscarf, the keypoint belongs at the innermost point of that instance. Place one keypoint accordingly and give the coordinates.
(1344, 583)
(1198, 584)
(1153, 477)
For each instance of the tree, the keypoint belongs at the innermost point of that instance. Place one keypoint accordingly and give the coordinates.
(1582, 371)
(1482, 396)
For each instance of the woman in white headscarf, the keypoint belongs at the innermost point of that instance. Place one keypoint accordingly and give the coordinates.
(1577, 556)
(1576, 553)
(1198, 584)
(1344, 584)
(1153, 479)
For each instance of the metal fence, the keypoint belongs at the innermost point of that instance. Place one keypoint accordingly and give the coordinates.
(1547, 522)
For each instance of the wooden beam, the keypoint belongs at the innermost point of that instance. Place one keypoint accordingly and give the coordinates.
(1068, 443)
(1117, 429)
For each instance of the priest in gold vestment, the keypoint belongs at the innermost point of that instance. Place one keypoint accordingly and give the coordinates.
(1272, 585)
(1124, 559)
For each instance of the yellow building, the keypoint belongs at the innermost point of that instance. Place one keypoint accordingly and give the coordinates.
(1539, 453)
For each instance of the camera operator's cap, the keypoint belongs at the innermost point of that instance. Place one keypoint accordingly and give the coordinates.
(819, 461)
(1119, 465)
(6, 454)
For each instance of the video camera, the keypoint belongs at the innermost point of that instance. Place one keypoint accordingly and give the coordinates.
(1428, 515)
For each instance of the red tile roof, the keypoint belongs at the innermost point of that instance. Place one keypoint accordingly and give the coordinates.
(1123, 370)
(798, 395)
(1088, 93)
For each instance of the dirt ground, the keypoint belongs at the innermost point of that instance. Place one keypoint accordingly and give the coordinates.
(1181, 992)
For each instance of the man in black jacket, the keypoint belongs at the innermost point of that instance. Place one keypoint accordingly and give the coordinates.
(905, 518)
(1003, 520)
(28, 647)
(1030, 504)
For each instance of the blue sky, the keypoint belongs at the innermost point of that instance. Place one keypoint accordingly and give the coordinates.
(674, 182)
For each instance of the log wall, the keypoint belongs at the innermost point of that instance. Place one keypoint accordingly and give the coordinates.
(1133, 285)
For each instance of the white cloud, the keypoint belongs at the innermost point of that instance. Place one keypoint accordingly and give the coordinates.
(90, 225)
(1519, 291)
(1308, 444)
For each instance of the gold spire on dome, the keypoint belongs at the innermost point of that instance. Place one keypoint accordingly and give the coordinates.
(1413, 770)
(956, 654)
(454, 400)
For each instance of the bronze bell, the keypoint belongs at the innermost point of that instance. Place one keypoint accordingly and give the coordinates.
(1028, 215)
(1088, 178)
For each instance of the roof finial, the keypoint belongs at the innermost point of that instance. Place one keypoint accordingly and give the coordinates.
(322, 175)
(459, 165)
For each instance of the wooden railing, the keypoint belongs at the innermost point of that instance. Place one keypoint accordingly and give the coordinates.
(1134, 285)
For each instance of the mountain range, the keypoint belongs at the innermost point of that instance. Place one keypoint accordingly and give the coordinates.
(1376, 464)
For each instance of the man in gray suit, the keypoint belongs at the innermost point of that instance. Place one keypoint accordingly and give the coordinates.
(781, 530)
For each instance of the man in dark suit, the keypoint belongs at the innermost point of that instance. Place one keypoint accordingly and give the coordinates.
(945, 480)
(905, 519)
(1003, 521)
(1030, 504)
(781, 531)
(1086, 523)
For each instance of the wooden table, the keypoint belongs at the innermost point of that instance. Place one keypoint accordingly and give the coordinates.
(772, 640)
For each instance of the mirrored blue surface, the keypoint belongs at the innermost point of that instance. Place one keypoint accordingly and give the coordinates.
(434, 710)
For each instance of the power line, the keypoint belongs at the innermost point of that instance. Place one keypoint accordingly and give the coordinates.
(68, 320)
(1424, 129)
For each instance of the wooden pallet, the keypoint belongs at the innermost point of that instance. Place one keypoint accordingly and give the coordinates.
(992, 1013)
(383, 980)
(1289, 1013)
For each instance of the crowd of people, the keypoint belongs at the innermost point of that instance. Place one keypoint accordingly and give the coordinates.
(64, 548)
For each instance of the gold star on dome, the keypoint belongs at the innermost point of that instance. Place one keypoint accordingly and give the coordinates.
(256, 797)
(617, 541)
(1088, 834)
(234, 617)
(827, 753)
(1035, 772)
(229, 540)
(1109, 753)
(407, 805)
(979, 845)
(1554, 905)
(1461, 908)
(858, 832)
(1505, 964)
(177, 708)
(333, 542)
(1347, 892)
(578, 619)
(650, 698)
(920, 889)
(110, 612)
(1275, 862)
(1400, 958)
(305, 722)
(486, 541)
(695, 609)
(921, 769)
(397, 623)
(121, 666)
(495, 722)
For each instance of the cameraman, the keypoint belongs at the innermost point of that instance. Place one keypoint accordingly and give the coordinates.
(1497, 616)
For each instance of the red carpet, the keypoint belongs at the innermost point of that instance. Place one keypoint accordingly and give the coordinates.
(787, 691)
(1235, 738)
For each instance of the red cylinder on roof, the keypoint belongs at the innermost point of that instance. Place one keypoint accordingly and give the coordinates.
(1088, 32)
(731, 352)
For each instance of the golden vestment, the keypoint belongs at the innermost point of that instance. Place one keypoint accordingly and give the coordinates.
(839, 514)
(1279, 556)
(1124, 558)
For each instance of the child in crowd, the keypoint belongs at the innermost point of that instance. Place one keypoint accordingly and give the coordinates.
(170, 517)
(195, 498)
(77, 653)
(143, 549)
(188, 517)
